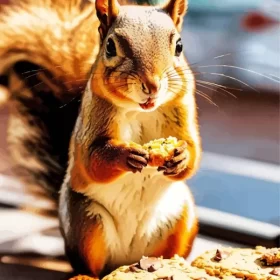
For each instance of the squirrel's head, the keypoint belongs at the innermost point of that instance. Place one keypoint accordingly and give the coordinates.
(141, 63)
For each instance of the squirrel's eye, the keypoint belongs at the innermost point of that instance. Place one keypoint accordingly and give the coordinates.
(110, 48)
(179, 47)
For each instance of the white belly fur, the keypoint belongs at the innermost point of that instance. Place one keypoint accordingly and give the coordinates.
(135, 209)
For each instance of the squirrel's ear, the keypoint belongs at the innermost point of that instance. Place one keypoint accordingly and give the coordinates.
(106, 11)
(176, 9)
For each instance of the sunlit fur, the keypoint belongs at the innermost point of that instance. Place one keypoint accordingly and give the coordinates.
(53, 34)
(47, 48)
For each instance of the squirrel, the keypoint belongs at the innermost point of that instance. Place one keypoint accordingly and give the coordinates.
(113, 207)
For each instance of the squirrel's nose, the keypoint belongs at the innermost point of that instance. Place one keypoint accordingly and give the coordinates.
(151, 86)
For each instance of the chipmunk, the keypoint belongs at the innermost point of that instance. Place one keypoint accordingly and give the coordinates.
(139, 88)
(114, 207)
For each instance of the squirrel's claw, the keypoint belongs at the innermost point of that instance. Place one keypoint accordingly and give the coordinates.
(137, 160)
(178, 162)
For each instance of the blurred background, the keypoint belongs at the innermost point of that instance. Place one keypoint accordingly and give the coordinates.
(236, 44)
(234, 49)
(241, 34)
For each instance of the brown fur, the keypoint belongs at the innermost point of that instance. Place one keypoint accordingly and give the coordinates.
(47, 48)
(53, 34)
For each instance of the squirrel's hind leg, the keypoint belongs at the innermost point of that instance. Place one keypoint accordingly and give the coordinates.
(85, 243)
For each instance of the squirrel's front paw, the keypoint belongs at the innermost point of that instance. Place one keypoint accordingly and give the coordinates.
(178, 162)
(136, 159)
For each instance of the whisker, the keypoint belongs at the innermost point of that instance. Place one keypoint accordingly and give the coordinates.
(175, 87)
(232, 78)
(240, 68)
(229, 77)
(25, 78)
(219, 56)
(52, 79)
(40, 69)
(213, 89)
(69, 102)
(217, 86)
(222, 55)
(176, 71)
(274, 76)
(70, 89)
(215, 57)
(36, 85)
(206, 97)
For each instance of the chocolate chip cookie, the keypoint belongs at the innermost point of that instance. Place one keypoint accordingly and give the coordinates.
(250, 264)
(161, 269)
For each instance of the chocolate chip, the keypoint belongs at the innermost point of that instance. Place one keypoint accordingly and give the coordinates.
(150, 264)
(275, 271)
(167, 278)
(220, 255)
(201, 278)
(152, 268)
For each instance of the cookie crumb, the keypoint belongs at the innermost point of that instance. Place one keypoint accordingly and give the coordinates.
(271, 257)
(167, 278)
(275, 271)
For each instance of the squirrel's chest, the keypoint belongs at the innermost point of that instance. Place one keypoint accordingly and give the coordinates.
(140, 127)
(137, 211)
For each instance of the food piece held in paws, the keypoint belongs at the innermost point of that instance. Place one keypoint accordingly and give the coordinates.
(161, 150)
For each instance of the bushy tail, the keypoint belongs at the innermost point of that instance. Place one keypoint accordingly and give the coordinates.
(47, 48)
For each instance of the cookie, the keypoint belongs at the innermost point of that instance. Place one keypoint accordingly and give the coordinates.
(161, 269)
(256, 264)
(161, 150)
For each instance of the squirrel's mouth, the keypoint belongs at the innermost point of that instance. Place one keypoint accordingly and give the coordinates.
(150, 103)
